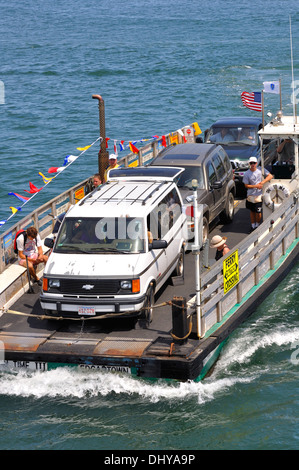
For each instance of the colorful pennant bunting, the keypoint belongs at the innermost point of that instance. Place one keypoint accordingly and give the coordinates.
(22, 198)
(33, 189)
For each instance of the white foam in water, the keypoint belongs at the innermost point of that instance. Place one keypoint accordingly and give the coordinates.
(242, 349)
(69, 382)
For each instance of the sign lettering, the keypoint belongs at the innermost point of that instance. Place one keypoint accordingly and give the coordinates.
(230, 271)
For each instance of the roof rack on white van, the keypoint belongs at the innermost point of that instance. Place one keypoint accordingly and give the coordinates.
(132, 185)
(145, 173)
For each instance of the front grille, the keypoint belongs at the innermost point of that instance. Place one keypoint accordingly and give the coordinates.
(92, 287)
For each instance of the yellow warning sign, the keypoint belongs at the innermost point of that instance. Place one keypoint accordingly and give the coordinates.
(230, 271)
(79, 194)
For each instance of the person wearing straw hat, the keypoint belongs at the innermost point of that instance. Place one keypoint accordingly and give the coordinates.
(219, 243)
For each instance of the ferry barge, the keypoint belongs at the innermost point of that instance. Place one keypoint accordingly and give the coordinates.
(191, 320)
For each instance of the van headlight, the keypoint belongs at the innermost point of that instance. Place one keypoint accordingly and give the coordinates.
(132, 286)
(54, 283)
(127, 285)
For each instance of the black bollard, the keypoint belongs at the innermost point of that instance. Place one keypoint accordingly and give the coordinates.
(180, 326)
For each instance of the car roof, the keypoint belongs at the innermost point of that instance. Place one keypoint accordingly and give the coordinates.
(121, 199)
(237, 121)
(182, 154)
(145, 173)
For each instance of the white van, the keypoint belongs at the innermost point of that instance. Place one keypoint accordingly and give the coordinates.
(117, 247)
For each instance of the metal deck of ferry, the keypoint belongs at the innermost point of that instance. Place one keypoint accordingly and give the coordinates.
(120, 344)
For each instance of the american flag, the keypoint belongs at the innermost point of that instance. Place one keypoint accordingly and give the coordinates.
(252, 100)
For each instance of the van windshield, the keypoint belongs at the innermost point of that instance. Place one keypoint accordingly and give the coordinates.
(101, 235)
(243, 135)
(184, 180)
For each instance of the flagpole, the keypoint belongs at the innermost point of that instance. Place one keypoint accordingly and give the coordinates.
(280, 94)
(263, 108)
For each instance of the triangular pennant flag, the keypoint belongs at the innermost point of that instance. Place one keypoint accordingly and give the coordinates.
(133, 148)
(121, 145)
(83, 148)
(56, 169)
(197, 129)
(107, 138)
(22, 198)
(45, 179)
(69, 159)
(14, 210)
(33, 189)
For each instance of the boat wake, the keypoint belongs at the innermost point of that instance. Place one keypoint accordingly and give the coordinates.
(69, 382)
(267, 343)
(239, 363)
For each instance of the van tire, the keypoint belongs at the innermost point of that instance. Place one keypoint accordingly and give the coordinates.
(180, 266)
(147, 313)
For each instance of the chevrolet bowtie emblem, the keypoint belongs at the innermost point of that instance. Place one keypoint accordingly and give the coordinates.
(88, 286)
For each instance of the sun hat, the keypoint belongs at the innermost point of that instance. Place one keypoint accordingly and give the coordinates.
(217, 241)
(252, 160)
(112, 156)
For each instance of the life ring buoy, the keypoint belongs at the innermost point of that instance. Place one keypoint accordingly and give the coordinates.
(276, 192)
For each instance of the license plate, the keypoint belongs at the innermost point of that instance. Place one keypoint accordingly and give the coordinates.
(86, 311)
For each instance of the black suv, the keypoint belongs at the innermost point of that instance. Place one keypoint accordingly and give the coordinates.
(239, 138)
(210, 165)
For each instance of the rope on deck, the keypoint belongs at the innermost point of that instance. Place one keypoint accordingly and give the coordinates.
(99, 317)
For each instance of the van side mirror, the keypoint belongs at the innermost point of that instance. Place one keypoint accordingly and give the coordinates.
(158, 244)
(49, 242)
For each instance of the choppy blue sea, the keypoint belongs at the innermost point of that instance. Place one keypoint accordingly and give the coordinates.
(159, 66)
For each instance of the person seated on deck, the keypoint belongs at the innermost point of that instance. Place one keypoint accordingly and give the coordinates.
(219, 243)
(29, 246)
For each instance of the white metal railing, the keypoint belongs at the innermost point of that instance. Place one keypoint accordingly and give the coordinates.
(258, 254)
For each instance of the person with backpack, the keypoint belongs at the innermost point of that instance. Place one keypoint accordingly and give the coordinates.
(29, 245)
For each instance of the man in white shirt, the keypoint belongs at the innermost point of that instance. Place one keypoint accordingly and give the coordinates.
(29, 245)
(253, 181)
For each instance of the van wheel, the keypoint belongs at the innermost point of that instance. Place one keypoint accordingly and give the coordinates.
(148, 305)
(180, 266)
(228, 214)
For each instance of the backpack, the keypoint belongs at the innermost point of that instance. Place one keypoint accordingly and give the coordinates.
(19, 232)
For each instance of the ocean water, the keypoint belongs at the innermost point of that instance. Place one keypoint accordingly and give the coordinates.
(159, 66)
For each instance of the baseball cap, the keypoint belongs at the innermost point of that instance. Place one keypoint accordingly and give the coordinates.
(112, 156)
(252, 160)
